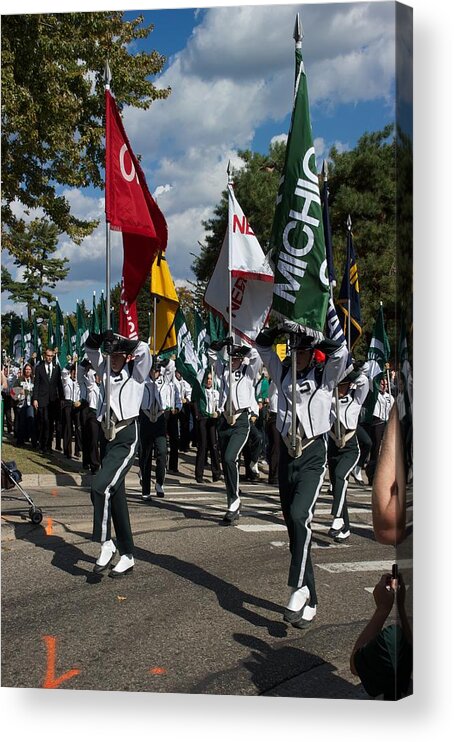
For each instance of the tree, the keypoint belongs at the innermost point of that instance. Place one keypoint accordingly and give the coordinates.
(362, 183)
(31, 247)
(53, 106)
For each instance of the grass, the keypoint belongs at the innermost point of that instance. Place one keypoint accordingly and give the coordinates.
(29, 461)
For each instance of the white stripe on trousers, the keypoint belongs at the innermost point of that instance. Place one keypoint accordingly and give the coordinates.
(344, 488)
(237, 488)
(309, 520)
(113, 483)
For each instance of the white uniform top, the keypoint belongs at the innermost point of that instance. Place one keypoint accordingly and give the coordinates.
(71, 387)
(243, 381)
(313, 396)
(272, 396)
(126, 388)
(153, 403)
(184, 388)
(383, 405)
(350, 404)
(212, 400)
(89, 388)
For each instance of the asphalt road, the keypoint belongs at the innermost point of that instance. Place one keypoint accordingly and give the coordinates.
(202, 610)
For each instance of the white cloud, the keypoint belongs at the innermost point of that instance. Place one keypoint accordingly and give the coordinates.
(235, 75)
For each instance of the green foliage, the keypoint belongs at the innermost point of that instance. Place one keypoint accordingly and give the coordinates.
(31, 246)
(362, 183)
(53, 105)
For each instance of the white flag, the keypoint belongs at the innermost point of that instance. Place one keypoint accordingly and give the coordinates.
(252, 277)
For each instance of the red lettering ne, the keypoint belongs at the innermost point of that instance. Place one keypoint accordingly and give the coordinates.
(243, 226)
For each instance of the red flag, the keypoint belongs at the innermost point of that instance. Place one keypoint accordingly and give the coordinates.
(130, 209)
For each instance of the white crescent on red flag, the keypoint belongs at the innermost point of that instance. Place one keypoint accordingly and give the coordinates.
(130, 209)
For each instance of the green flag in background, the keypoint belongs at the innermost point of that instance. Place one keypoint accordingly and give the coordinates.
(298, 255)
(16, 339)
(215, 328)
(377, 355)
(94, 323)
(50, 334)
(187, 362)
(71, 337)
(200, 339)
(59, 328)
(36, 339)
(103, 313)
(81, 331)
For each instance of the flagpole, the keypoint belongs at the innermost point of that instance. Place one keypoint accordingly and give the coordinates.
(331, 291)
(107, 79)
(229, 229)
(298, 37)
(349, 302)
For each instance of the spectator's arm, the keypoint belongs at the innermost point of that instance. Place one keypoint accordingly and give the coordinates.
(389, 486)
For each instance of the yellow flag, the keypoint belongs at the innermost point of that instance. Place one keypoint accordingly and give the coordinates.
(162, 287)
(281, 350)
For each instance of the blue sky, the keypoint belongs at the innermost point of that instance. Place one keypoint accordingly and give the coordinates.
(231, 72)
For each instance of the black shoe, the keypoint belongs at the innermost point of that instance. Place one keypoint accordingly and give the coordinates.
(295, 618)
(172, 471)
(199, 480)
(94, 469)
(230, 517)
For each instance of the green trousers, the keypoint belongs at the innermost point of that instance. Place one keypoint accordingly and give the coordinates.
(232, 439)
(108, 493)
(300, 481)
(341, 462)
(152, 439)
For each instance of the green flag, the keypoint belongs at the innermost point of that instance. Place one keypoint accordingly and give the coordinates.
(103, 313)
(187, 362)
(59, 327)
(200, 337)
(71, 337)
(377, 355)
(16, 338)
(36, 339)
(81, 331)
(301, 287)
(215, 328)
(50, 334)
(94, 323)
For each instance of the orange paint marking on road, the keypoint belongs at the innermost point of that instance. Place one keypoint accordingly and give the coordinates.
(157, 671)
(50, 681)
(49, 527)
(54, 493)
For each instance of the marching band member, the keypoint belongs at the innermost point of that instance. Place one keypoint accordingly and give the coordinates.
(343, 452)
(302, 469)
(152, 419)
(207, 430)
(233, 431)
(71, 411)
(130, 365)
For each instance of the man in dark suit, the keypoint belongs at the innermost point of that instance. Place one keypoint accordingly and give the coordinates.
(46, 399)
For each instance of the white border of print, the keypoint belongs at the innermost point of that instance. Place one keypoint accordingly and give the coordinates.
(69, 715)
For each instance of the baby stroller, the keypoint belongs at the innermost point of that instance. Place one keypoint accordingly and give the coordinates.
(11, 477)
